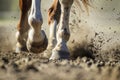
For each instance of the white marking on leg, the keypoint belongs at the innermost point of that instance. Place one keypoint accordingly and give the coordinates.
(52, 35)
(52, 39)
(36, 10)
(35, 21)
(37, 41)
(63, 33)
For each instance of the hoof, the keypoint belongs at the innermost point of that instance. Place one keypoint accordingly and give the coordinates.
(37, 47)
(56, 55)
(21, 49)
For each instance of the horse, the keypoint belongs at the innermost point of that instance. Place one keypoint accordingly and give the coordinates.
(30, 37)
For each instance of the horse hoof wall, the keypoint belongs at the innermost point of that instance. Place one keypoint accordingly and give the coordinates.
(37, 47)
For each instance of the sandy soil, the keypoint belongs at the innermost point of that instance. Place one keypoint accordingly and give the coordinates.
(94, 45)
(27, 66)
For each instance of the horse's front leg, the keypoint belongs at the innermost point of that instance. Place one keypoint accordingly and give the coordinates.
(61, 50)
(37, 41)
(23, 26)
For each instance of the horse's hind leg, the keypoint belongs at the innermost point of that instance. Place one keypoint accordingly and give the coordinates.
(22, 27)
(61, 50)
(53, 20)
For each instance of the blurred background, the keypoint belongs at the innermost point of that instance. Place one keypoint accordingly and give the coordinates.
(8, 8)
(9, 12)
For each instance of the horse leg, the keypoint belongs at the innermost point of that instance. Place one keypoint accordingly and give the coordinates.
(37, 41)
(23, 26)
(61, 51)
(53, 20)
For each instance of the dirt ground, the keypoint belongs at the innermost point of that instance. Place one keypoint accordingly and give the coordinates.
(28, 66)
(94, 45)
